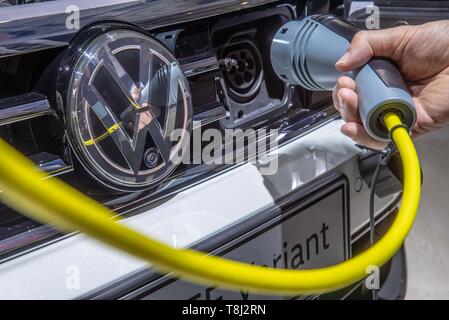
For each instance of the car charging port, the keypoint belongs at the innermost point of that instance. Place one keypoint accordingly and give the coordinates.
(245, 74)
(242, 46)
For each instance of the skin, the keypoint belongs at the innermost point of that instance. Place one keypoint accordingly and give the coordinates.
(136, 95)
(422, 55)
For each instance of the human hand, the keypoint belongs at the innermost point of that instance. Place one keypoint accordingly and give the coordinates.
(422, 55)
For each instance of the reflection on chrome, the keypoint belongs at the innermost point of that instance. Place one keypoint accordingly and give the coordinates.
(115, 120)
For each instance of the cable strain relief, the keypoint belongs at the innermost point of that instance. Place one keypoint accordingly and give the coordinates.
(390, 133)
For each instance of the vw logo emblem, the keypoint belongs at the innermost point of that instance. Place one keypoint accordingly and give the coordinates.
(125, 98)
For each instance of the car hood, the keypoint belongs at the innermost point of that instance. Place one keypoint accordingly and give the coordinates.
(38, 26)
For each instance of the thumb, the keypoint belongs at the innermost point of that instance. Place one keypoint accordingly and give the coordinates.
(367, 44)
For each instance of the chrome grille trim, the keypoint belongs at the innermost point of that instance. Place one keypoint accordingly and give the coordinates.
(23, 107)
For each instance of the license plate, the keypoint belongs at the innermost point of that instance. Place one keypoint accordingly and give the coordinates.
(312, 233)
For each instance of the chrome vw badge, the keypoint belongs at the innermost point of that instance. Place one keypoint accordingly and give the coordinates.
(126, 96)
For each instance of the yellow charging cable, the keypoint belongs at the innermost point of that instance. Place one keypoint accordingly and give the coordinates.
(54, 202)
